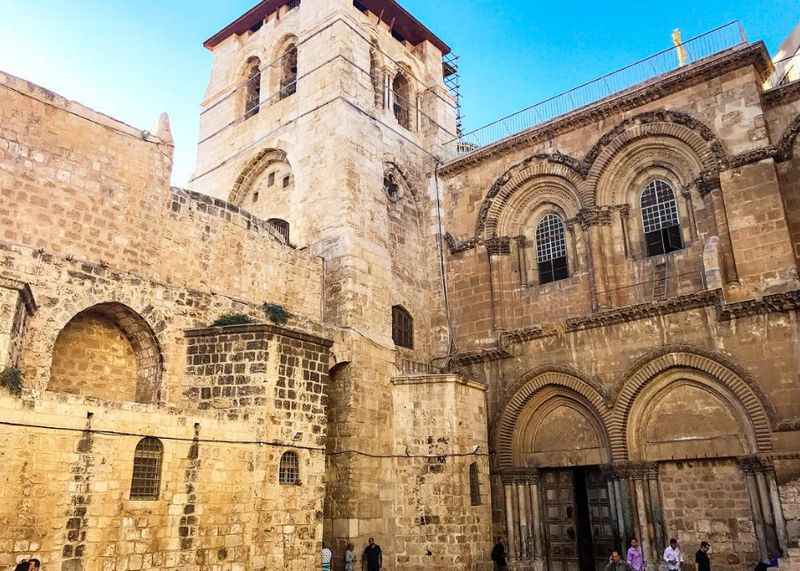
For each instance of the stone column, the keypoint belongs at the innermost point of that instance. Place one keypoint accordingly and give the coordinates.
(643, 480)
(765, 504)
(755, 506)
(524, 530)
(777, 509)
(536, 520)
(508, 488)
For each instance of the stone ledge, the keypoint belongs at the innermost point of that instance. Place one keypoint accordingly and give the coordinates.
(259, 328)
(24, 290)
(435, 379)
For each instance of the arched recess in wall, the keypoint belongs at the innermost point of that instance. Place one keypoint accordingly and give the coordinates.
(669, 139)
(512, 198)
(261, 179)
(110, 352)
(683, 405)
(553, 419)
(404, 104)
(251, 76)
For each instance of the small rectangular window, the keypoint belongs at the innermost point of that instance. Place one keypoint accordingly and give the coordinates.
(271, 179)
(286, 181)
(255, 197)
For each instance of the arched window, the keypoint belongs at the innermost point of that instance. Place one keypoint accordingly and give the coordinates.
(551, 249)
(146, 480)
(402, 327)
(474, 485)
(289, 72)
(252, 100)
(401, 94)
(289, 470)
(281, 226)
(662, 229)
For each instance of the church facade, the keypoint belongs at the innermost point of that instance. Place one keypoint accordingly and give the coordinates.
(357, 322)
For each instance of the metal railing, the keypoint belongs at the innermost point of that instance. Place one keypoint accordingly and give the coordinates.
(690, 51)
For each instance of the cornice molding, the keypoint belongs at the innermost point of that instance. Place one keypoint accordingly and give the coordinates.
(637, 96)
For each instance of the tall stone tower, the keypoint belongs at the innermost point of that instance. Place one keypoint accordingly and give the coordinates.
(328, 117)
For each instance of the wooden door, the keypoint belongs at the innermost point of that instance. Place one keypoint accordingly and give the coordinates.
(601, 517)
(558, 498)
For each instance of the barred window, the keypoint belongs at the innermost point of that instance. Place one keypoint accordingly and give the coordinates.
(551, 249)
(146, 480)
(402, 327)
(474, 485)
(289, 470)
(662, 230)
(252, 103)
(281, 226)
(289, 72)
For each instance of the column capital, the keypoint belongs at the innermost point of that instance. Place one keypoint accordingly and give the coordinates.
(754, 464)
(520, 476)
(635, 470)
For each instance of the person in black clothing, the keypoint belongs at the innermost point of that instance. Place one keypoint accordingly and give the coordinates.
(372, 559)
(499, 555)
(701, 557)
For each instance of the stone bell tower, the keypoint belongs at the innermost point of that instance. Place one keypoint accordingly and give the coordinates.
(327, 118)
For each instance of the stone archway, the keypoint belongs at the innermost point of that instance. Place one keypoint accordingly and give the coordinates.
(107, 351)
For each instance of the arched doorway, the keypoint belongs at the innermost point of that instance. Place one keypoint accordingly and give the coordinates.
(552, 444)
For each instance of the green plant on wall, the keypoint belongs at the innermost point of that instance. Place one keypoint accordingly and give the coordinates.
(233, 319)
(11, 379)
(277, 314)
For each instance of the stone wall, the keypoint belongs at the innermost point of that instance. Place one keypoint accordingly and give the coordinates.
(708, 501)
(65, 494)
(436, 523)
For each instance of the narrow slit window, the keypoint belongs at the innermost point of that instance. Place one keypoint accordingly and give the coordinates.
(662, 229)
(146, 480)
(289, 73)
(551, 249)
(402, 327)
(474, 485)
(271, 179)
(252, 103)
(287, 180)
(289, 470)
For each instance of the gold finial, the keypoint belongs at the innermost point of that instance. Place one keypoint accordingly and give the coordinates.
(677, 41)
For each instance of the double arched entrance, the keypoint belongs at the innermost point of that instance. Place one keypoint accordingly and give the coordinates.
(681, 448)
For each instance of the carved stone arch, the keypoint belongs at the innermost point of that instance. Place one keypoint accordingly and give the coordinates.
(567, 386)
(144, 346)
(788, 139)
(666, 125)
(519, 178)
(754, 405)
(252, 170)
(394, 174)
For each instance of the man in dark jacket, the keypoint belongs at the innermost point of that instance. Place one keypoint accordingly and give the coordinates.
(372, 559)
(701, 557)
(616, 563)
(499, 555)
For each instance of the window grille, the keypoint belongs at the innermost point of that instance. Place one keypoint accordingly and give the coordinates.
(281, 226)
(289, 73)
(146, 480)
(252, 103)
(474, 485)
(551, 249)
(662, 230)
(289, 471)
(402, 327)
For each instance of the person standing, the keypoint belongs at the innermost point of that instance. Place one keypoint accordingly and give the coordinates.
(327, 556)
(635, 558)
(372, 559)
(701, 557)
(673, 556)
(499, 555)
(615, 563)
(350, 557)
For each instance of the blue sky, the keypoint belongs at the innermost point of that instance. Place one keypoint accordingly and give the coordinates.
(133, 59)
